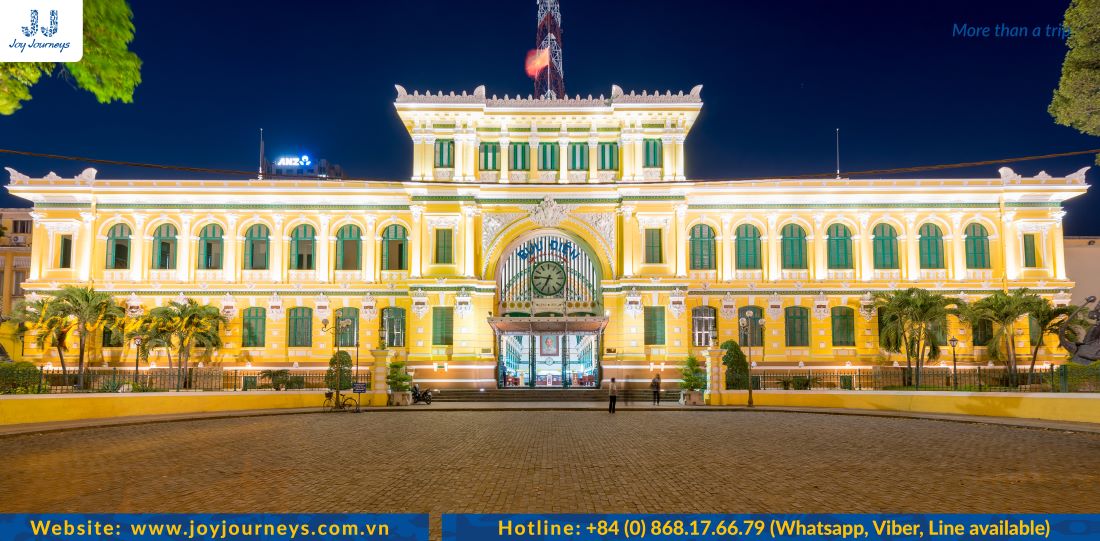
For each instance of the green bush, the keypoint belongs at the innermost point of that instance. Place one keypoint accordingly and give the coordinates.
(339, 371)
(19, 378)
(111, 386)
(737, 367)
(692, 376)
(278, 378)
(398, 380)
(141, 387)
(296, 382)
(1083, 377)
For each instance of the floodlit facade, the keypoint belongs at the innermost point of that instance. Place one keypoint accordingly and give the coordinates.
(548, 242)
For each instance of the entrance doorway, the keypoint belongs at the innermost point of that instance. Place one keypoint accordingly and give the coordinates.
(548, 360)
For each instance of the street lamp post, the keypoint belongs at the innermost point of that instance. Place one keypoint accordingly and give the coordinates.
(744, 321)
(335, 331)
(954, 364)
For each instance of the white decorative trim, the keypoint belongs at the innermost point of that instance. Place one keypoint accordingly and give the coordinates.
(548, 213)
(445, 222)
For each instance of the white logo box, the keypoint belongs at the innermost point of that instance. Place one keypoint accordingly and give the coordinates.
(41, 30)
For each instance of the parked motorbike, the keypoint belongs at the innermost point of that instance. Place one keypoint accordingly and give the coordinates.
(421, 396)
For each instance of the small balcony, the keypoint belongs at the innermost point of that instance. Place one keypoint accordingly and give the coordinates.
(347, 275)
(892, 275)
(162, 275)
(116, 275)
(710, 276)
(933, 274)
(209, 275)
(301, 275)
(652, 173)
(605, 176)
(519, 176)
(255, 275)
(840, 274)
(979, 274)
(488, 176)
(794, 274)
(548, 176)
(749, 275)
(443, 173)
(578, 176)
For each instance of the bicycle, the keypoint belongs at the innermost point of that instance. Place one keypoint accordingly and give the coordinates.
(346, 403)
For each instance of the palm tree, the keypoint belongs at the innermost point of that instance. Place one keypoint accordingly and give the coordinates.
(192, 325)
(90, 311)
(1047, 319)
(914, 321)
(147, 333)
(1004, 309)
(49, 330)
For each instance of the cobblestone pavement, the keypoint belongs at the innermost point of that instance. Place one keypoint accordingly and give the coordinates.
(552, 461)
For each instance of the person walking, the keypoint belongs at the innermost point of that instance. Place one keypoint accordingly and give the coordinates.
(656, 386)
(612, 395)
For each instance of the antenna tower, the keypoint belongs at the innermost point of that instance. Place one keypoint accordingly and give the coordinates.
(550, 83)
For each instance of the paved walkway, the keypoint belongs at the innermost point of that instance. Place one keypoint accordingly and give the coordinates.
(514, 460)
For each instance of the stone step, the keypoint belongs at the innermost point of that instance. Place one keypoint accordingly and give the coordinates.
(546, 395)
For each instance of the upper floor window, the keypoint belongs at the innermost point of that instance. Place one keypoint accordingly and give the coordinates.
(793, 242)
(65, 252)
(701, 242)
(490, 156)
(210, 247)
(394, 248)
(444, 153)
(164, 247)
(118, 247)
(1031, 252)
(548, 156)
(609, 156)
(302, 247)
(520, 155)
(931, 247)
(839, 247)
(977, 247)
(256, 243)
(885, 247)
(654, 251)
(21, 227)
(444, 246)
(748, 247)
(349, 239)
(578, 156)
(654, 153)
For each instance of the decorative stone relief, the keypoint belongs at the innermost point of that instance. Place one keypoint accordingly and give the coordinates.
(821, 306)
(442, 221)
(419, 303)
(322, 306)
(369, 309)
(633, 303)
(134, 307)
(775, 306)
(729, 307)
(463, 304)
(493, 224)
(229, 306)
(275, 308)
(676, 304)
(548, 213)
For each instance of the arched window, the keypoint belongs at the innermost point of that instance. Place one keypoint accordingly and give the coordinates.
(164, 247)
(931, 247)
(210, 247)
(393, 327)
(302, 247)
(977, 247)
(793, 242)
(348, 241)
(394, 248)
(983, 332)
(844, 326)
(748, 247)
(347, 327)
(797, 324)
(112, 338)
(702, 247)
(885, 247)
(704, 326)
(118, 247)
(256, 241)
(839, 247)
(255, 327)
(751, 334)
(300, 321)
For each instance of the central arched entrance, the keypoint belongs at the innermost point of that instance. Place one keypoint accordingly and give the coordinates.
(549, 316)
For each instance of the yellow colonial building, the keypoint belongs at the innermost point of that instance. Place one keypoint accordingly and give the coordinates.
(547, 242)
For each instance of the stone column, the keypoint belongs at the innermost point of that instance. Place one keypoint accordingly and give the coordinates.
(231, 245)
(957, 265)
(39, 238)
(628, 229)
(726, 240)
(505, 158)
(469, 257)
(563, 160)
(85, 236)
(418, 153)
(138, 240)
(324, 243)
(771, 238)
(866, 248)
(379, 389)
(668, 158)
(679, 230)
(819, 241)
(458, 159)
(533, 156)
(370, 266)
(277, 262)
(184, 262)
(1009, 246)
(626, 156)
(593, 159)
(427, 158)
(1058, 264)
(416, 244)
(680, 157)
(639, 157)
(912, 252)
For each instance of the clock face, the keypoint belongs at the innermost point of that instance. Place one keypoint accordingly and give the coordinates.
(548, 277)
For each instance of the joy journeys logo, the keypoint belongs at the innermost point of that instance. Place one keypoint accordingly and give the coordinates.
(41, 30)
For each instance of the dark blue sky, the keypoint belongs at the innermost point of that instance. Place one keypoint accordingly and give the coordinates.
(778, 78)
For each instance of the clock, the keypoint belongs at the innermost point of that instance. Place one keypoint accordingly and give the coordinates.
(548, 278)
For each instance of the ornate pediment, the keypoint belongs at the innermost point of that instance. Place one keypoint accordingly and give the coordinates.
(548, 213)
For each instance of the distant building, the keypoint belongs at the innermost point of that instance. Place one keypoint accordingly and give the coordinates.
(1083, 265)
(15, 255)
(302, 166)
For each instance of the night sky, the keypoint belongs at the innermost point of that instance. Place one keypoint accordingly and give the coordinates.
(778, 78)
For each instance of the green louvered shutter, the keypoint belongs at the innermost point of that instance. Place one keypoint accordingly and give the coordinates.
(443, 322)
(654, 154)
(444, 153)
(609, 157)
(654, 317)
(444, 249)
(885, 247)
(844, 326)
(520, 156)
(490, 156)
(1031, 259)
(797, 325)
(839, 247)
(578, 156)
(654, 251)
(255, 327)
(748, 247)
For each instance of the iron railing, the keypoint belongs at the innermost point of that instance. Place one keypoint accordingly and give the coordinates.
(1051, 379)
(113, 380)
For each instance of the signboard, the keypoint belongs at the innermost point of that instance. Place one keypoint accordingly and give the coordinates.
(294, 161)
(358, 388)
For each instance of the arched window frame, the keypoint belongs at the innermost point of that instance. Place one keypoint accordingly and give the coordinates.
(884, 246)
(395, 237)
(349, 238)
(211, 247)
(118, 247)
(930, 246)
(793, 247)
(977, 247)
(748, 247)
(303, 248)
(257, 247)
(702, 247)
(839, 247)
(164, 247)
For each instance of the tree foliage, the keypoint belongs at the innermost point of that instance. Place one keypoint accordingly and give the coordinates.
(1076, 101)
(912, 321)
(108, 69)
(737, 366)
(692, 375)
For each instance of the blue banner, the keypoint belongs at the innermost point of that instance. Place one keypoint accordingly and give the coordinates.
(214, 527)
(787, 527)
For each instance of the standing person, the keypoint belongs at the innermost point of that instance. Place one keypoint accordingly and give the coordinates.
(656, 386)
(612, 395)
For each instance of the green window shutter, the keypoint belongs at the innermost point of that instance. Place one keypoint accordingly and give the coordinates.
(702, 247)
(444, 250)
(844, 326)
(654, 154)
(347, 334)
(65, 253)
(983, 332)
(394, 248)
(654, 252)
(348, 241)
(164, 247)
(793, 253)
(256, 248)
(797, 326)
(1031, 259)
(301, 327)
(490, 156)
(112, 338)
(210, 247)
(578, 156)
(654, 318)
(1034, 331)
(977, 247)
(444, 153)
(885, 247)
(302, 247)
(118, 247)
(548, 156)
(748, 247)
(839, 247)
(609, 157)
(520, 156)
(931, 247)
(255, 327)
(443, 322)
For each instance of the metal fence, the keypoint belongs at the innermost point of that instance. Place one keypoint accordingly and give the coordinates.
(1052, 379)
(122, 380)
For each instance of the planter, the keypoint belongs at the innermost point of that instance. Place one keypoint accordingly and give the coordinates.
(401, 398)
(691, 398)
